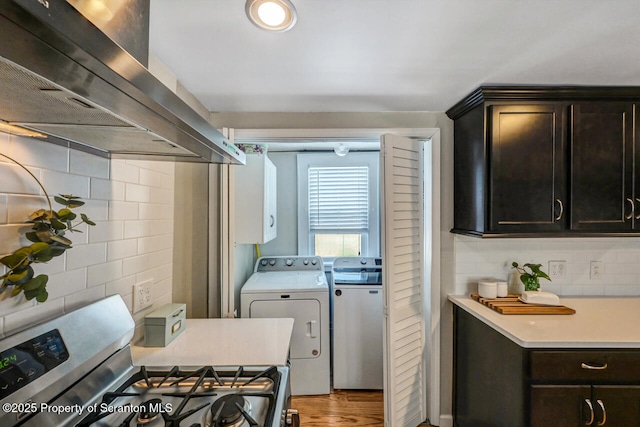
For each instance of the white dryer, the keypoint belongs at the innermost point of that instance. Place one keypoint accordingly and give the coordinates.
(295, 287)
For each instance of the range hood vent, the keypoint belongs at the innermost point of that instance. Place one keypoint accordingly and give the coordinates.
(62, 76)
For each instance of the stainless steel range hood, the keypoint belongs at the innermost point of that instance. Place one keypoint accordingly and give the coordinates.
(62, 76)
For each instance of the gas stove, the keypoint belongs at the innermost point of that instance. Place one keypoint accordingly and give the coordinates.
(77, 370)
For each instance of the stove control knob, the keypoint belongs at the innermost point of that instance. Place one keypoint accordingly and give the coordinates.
(289, 262)
(363, 261)
(314, 261)
(272, 262)
(292, 418)
(263, 262)
(305, 261)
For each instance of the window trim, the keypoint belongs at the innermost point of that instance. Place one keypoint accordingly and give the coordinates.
(370, 240)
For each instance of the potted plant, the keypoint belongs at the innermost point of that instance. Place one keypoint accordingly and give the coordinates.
(530, 275)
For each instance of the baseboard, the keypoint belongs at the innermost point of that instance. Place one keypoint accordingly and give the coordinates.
(446, 421)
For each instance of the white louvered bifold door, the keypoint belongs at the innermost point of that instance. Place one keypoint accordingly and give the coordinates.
(402, 175)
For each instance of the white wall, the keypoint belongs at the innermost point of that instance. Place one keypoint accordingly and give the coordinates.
(130, 201)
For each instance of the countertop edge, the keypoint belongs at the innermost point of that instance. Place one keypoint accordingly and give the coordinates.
(490, 318)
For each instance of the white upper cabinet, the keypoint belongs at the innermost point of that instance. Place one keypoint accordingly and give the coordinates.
(255, 200)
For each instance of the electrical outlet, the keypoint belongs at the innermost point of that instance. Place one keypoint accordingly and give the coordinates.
(557, 268)
(142, 296)
(597, 270)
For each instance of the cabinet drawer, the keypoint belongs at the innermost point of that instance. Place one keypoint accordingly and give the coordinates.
(585, 365)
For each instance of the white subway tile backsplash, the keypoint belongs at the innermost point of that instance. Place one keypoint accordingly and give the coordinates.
(132, 241)
(123, 172)
(10, 237)
(137, 193)
(478, 258)
(151, 178)
(106, 231)
(154, 243)
(16, 180)
(103, 189)
(122, 286)
(66, 283)
(156, 211)
(64, 183)
(123, 210)
(86, 255)
(30, 151)
(81, 163)
(3, 209)
(121, 249)
(103, 273)
(134, 265)
(20, 207)
(56, 265)
(32, 315)
(80, 299)
(96, 210)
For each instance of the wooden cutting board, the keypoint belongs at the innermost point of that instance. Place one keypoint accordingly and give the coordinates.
(512, 305)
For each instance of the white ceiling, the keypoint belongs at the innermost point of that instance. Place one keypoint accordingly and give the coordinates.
(392, 55)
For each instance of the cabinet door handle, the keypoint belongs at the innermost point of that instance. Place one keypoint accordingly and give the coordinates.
(593, 416)
(273, 220)
(559, 217)
(638, 216)
(632, 208)
(604, 413)
(594, 367)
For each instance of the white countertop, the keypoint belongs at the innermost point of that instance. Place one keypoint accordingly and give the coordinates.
(599, 322)
(223, 342)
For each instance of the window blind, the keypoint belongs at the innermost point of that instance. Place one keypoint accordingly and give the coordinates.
(338, 198)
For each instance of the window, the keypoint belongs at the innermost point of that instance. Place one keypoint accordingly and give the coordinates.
(338, 199)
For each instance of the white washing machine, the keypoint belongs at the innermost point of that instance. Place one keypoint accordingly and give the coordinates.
(357, 323)
(295, 287)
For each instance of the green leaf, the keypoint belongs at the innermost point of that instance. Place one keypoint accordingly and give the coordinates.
(38, 282)
(32, 236)
(62, 240)
(86, 219)
(75, 204)
(43, 253)
(514, 264)
(38, 215)
(57, 250)
(27, 274)
(66, 215)
(16, 259)
(16, 277)
(42, 296)
(70, 196)
(61, 201)
(57, 224)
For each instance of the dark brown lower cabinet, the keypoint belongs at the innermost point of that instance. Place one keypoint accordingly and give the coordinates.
(583, 405)
(497, 383)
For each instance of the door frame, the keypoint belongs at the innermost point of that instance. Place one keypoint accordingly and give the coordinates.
(432, 355)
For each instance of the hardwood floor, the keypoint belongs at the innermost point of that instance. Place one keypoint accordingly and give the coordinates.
(342, 408)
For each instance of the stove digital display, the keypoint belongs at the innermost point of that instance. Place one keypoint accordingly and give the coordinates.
(25, 362)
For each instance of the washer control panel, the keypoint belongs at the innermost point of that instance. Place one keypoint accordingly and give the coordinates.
(289, 263)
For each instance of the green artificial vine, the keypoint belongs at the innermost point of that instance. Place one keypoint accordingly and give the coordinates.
(48, 241)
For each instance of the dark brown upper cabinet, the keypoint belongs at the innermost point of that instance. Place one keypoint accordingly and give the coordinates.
(532, 161)
(526, 183)
(602, 166)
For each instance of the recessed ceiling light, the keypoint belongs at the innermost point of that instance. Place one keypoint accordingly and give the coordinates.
(272, 15)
